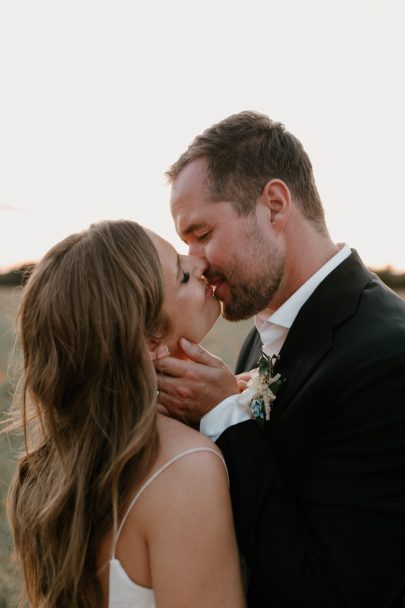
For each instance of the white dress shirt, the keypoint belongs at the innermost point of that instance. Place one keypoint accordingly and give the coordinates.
(273, 327)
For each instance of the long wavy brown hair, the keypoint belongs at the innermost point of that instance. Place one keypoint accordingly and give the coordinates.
(86, 403)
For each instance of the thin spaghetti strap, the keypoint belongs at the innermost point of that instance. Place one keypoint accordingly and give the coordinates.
(153, 477)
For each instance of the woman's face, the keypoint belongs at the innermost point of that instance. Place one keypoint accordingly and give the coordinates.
(189, 301)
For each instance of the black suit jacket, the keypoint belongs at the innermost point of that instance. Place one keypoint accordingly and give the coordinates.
(319, 495)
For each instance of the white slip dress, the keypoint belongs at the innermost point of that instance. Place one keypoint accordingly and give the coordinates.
(124, 592)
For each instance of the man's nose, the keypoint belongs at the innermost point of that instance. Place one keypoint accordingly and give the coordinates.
(196, 250)
(200, 266)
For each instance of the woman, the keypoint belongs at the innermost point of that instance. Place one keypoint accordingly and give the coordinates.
(111, 499)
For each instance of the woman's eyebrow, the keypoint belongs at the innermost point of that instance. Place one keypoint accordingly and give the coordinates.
(178, 266)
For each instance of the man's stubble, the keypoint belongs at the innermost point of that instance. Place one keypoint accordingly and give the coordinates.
(252, 283)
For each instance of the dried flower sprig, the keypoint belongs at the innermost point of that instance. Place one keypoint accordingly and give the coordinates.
(263, 387)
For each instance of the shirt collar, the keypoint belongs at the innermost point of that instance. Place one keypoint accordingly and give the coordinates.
(285, 315)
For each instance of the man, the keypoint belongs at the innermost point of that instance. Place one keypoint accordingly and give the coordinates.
(319, 491)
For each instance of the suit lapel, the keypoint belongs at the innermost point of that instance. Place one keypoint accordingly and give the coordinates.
(250, 353)
(312, 333)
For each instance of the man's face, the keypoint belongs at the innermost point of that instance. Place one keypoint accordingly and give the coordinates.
(242, 263)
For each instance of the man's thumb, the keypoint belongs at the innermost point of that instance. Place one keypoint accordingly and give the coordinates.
(197, 353)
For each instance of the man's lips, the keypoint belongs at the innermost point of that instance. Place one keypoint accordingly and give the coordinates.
(216, 286)
(209, 291)
(214, 280)
(209, 287)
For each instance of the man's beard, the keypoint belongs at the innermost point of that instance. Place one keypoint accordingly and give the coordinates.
(252, 290)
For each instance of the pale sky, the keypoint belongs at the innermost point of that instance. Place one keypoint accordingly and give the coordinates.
(98, 97)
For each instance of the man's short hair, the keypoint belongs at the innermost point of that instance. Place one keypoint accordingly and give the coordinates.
(246, 150)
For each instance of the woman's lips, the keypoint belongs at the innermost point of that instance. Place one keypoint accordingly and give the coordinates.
(209, 291)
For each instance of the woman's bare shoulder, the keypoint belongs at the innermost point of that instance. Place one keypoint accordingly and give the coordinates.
(196, 477)
(191, 490)
(200, 469)
(188, 527)
(176, 437)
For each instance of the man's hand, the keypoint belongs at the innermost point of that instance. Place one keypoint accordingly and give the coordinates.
(188, 389)
(244, 378)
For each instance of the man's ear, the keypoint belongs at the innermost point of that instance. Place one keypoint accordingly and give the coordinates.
(157, 349)
(276, 197)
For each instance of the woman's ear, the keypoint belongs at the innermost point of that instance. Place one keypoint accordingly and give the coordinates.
(158, 350)
(276, 197)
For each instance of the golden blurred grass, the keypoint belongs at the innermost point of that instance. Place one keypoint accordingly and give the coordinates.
(9, 579)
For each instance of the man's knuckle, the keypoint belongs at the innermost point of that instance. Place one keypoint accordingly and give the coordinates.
(183, 392)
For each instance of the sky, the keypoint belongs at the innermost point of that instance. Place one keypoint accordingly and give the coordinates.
(98, 98)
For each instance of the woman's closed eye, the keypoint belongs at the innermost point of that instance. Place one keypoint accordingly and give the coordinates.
(185, 277)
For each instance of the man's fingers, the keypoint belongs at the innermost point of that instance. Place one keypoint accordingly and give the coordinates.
(197, 356)
(242, 384)
(171, 406)
(180, 368)
(246, 376)
(170, 386)
(170, 366)
(197, 353)
(190, 387)
(162, 409)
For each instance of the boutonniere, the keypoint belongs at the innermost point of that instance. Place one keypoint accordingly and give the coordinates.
(262, 388)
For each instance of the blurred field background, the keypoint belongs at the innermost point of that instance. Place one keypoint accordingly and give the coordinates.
(9, 299)
(224, 340)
